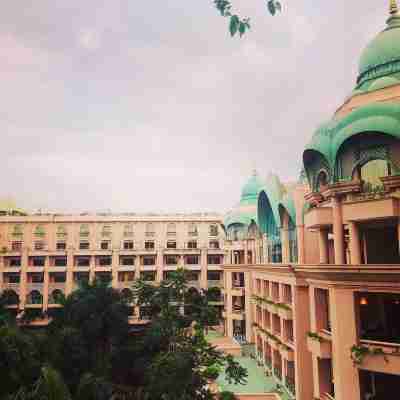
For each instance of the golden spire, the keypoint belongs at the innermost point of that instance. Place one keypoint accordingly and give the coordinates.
(393, 7)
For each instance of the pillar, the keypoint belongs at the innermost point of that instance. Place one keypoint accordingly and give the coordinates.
(46, 283)
(248, 283)
(338, 231)
(323, 246)
(228, 292)
(92, 266)
(246, 252)
(159, 265)
(203, 272)
(114, 268)
(23, 277)
(285, 246)
(69, 283)
(301, 249)
(355, 248)
(137, 267)
(344, 335)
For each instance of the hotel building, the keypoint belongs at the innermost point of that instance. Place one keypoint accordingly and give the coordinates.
(312, 270)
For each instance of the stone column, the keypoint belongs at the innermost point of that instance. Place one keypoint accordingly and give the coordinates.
(229, 308)
(355, 249)
(248, 306)
(203, 272)
(301, 249)
(114, 268)
(46, 283)
(338, 231)
(285, 246)
(344, 335)
(160, 265)
(323, 246)
(137, 266)
(23, 277)
(246, 252)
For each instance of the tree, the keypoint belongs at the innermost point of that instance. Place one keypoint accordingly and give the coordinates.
(238, 24)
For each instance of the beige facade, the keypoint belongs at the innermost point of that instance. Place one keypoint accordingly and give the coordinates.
(43, 255)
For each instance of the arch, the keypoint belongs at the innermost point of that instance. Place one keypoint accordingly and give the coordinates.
(127, 294)
(267, 220)
(314, 163)
(56, 296)
(35, 297)
(10, 297)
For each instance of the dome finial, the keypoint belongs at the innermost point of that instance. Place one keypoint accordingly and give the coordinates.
(393, 7)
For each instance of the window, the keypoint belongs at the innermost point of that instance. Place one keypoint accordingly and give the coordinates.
(171, 260)
(192, 260)
(17, 230)
(128, 245)
(192, 230)
(13, 278)
(59, 277)
(192, 244)
(16, 246)
(105, 245)
(149, 260)
(37, 278)
(105, 261)
(39, 245)
(127, 261)
(214, 244)
(82, 261)
(149, 245)
(15, 262)
(213, 230)
(150, 229)
(84, 245)
(60, 262)
(128, 230)
(38, 261)
(148, 275)
(213, 259)
(171, 244)
(106, 231)
(84, 230)
(213, 275)
(61, 246)
(61, 231)
(171, 229)
(39, 231)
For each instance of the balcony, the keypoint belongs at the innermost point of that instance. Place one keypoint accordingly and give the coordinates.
(318, 217)
(319, 346)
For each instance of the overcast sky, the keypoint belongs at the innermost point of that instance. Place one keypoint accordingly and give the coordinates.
(145, 105)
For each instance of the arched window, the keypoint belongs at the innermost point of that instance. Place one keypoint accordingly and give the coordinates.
(213, 230)
(56, 297)
(39, 231)
(322, 181)
(371, 172)
(171, 229)
(106, 231)
(150, 229)
(84, 230)
(128, 230)
(35, 297)
(192, 230)
(61, 231)
(17, 231)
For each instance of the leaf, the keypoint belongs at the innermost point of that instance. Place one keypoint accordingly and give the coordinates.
(234, 25)
(271, 7)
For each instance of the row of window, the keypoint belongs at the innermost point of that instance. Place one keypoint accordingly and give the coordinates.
(106, 231)
(84, 261)
(106, 245)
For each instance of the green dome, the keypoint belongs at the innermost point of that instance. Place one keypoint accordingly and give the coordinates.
(382, 56)
(251, 188)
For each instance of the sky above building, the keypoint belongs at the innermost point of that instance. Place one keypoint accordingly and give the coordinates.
(141, 106)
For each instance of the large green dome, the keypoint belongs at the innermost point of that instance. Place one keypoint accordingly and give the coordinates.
(381, 57)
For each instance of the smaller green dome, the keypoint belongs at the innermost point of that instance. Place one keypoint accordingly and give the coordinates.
(251, 188)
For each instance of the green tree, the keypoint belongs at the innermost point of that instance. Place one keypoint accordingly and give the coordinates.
(238, 24)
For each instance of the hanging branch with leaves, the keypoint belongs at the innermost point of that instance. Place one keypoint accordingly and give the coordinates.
(238, 24)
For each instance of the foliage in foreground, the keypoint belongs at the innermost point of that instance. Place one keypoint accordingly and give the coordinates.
(88, 352)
